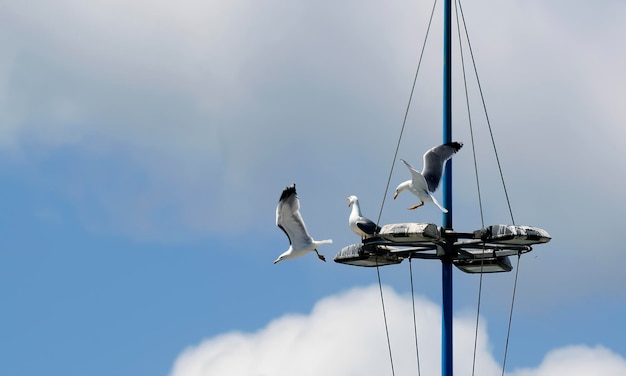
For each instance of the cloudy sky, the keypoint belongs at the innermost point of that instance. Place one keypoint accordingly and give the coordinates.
(143, 148)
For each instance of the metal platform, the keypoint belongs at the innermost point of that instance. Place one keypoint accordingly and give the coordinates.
(481, 251)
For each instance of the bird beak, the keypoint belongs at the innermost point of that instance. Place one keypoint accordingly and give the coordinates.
(395, 195)
(349, 202)
(275, 261)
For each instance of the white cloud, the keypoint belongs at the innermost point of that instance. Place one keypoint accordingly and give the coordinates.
(344, 335)
(578, 361)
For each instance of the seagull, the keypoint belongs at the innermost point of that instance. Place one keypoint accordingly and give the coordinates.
(289, 220)
(358, 223)
(425, 183)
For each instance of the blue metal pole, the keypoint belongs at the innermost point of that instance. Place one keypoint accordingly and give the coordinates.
(446, 264)
(447, 110)
(446, 327)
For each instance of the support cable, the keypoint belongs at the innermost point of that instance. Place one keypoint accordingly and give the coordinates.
(417, 352)
(406, 113)
(508, 331)
(482, 97)
(395, 156)
(460, 9)
(382, 300)
(480, 203)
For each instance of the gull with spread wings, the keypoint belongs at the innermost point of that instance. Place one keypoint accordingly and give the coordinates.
(424, 184)
(289, 220)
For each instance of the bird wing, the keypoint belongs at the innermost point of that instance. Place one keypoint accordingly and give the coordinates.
(367, 226)
(418, 180)
(289, 220)
(434, 161)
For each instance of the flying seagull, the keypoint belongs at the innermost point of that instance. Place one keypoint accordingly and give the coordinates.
(289, 220)
(425, 183)
(358, 223)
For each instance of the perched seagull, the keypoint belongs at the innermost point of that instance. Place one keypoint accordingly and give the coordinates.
(425, 183)
(289, 220)
(358, 223)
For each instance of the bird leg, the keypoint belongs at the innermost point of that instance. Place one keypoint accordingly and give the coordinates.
(416, 206)
(321, 257)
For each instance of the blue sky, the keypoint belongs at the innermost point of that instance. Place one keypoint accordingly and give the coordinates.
(144, 147)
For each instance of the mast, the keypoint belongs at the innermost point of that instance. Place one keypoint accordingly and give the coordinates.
(446, 260)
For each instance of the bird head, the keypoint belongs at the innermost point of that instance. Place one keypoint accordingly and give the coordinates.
(287, 255)
(402, 187)
(352, 200)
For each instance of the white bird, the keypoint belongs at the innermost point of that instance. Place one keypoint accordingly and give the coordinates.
(358, 223)
(289, 220)
(425, 183)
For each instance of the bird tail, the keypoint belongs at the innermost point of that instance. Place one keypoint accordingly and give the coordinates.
(438, 204)
(320, 242)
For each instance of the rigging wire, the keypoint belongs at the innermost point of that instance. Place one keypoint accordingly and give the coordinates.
(459, 8)
(417, 352)
(406, 112)
(482, 97)
(382, 300)
(480, 202)
(395, 156)
(508, 331)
